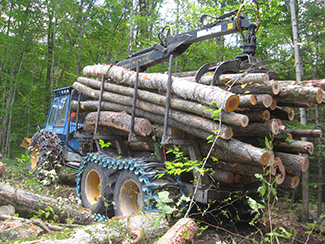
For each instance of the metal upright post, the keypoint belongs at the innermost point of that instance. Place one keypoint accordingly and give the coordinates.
(99, 107)
(168, 93)
(134, 101)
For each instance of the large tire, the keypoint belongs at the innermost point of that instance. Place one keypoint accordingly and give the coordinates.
(46, 154)
(93, 184)
(136, 192)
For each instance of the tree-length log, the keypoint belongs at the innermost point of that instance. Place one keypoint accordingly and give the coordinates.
(240, 78)
(183, 232)
(239, 167)
(179, 104)
(294, 104)
(247, 100)
(283, 113)
(295, 147)
(262, 101)
(300, 94)
(142, 228)
(159, 119)
(120, 121)
(294, 162)
(273, 88)
(291, 181)
(206, 94)
(223, 176)
(257, 129)
(236, 151)
(25, 202)
(171, 132)
(191, 121)
(258, 115)
(314, 133)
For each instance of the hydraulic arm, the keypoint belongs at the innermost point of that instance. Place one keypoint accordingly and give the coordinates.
(178, 44)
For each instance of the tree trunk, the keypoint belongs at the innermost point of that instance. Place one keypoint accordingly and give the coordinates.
(273, 88)
(188, 90)
(300, 94)
(142, 228)
(257, 129)
(283, 113)
(294, 162)
(314, 133)
(295, 147)
(258, 115)
(183, 232)
(120, 121)
(25, 202)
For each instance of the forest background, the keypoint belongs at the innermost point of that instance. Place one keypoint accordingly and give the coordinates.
(45, 44)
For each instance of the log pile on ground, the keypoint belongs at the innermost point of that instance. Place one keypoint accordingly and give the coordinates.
(251, 110)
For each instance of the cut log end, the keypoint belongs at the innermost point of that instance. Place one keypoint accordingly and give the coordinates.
(267, 100)
(244, 121)
(305, 165)
(275, 87)
(319, 95)
(273, 105)
(227, 133)
(145, 128)
(265, 159)
(266, 78)
(253, 100)
(291, 114)
(291, 181)
(232, 103)
(275, 127)
(266, 115)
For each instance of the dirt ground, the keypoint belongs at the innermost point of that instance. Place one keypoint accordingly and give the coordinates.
(282, 218)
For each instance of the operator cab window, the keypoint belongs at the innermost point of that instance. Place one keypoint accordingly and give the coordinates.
(53, 111)
(62, 108)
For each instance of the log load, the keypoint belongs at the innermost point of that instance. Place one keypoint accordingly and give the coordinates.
(242, 114)
(228, 101)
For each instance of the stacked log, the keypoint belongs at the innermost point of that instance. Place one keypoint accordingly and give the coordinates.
(252, 108)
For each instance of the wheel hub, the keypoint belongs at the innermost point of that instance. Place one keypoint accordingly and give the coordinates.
(92, 187)
(130, 198)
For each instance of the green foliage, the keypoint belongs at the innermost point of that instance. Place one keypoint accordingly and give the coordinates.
(103, 144)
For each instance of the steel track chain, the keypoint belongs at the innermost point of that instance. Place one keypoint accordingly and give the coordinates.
(137, 165)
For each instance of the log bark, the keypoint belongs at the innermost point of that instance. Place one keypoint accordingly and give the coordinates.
(179, 104)
(25, 202)
(120, 121)
(239, 167)
(188, 90)
(142, 228)
(294, 162)
(305, 133)
(257, 129)
(247, 101)
(223, 176)
(236, 151)
(300, 94)
(295, 147)
(283, 113)
(291, 181)
(203, 127)
(258, 115)
(244, 78)
(294, 104)
(183, 232)
(273, 88)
